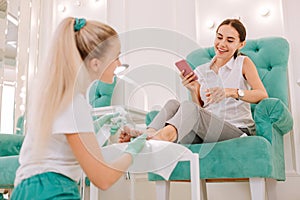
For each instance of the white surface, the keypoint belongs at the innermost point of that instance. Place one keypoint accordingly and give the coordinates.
(291, 27)
(157, 156)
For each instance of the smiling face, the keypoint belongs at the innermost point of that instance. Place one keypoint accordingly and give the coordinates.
(227, 42)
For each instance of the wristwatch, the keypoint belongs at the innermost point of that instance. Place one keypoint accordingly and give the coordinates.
(241, 93)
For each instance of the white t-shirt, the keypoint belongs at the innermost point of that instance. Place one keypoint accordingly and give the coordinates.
(236, 112)
(57, 155)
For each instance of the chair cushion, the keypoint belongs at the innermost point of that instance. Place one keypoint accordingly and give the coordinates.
(237, 158)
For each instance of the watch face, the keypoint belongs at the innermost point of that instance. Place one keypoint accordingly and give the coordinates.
(241, 93)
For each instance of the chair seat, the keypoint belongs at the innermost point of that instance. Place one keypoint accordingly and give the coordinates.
(8, 168)
(236, 158)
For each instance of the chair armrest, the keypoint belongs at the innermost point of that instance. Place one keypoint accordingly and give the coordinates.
(10, 144)
(269, 114)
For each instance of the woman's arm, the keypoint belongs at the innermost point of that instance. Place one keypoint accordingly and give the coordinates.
(87, 151)
(258, 91)
(195, 94)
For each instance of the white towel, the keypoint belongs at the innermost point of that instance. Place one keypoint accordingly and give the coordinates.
(157, 156)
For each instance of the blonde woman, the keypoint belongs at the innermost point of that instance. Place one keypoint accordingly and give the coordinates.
(60, 137)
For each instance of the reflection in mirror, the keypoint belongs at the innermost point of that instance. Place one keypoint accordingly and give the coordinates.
(9, 38)
(3, 23)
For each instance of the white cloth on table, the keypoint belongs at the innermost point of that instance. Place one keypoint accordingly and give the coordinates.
(160, 157)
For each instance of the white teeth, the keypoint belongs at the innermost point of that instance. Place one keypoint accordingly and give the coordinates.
(222, 50)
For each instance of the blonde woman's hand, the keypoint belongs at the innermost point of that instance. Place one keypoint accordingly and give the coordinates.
(127, 133)
(136, 145)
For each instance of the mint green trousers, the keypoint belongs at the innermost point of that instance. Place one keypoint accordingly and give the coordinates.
(47, 185)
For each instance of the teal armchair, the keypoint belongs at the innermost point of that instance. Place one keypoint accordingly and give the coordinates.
(10, 145)
(257, 158)
(100, 93)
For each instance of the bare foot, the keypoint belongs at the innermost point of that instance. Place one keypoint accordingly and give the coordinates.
(127, 133)
(168, 133)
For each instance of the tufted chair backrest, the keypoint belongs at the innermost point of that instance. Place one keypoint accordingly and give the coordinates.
(270, 55)
(100, 93)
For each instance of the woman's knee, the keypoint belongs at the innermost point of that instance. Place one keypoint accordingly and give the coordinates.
(172, 104)
(190, 106)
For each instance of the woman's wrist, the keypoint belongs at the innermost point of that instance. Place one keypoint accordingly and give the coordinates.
(232, 92)
(235, 93)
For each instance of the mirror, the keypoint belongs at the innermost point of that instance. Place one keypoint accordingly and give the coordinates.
(9, 13)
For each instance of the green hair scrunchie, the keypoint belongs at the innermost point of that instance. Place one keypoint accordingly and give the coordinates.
(79, 23)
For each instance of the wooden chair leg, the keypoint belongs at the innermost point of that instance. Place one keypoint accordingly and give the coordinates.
(203, 193)
(257, 188)
(162, 190)
(271, 188)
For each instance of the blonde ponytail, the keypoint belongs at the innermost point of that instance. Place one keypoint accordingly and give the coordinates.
(63, 75)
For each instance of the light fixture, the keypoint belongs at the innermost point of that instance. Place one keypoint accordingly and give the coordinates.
(61, 8)
(264, 11)
(78, 3)
(210, 24)
(12, 43)
(22, 95)
(120, 69)
(298, 82)
(22, 107)
(23, 77)
(12, 19)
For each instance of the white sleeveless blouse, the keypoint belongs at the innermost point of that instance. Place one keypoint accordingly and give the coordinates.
(236, 112)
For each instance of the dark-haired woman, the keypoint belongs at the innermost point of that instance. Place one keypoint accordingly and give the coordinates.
(221, 96)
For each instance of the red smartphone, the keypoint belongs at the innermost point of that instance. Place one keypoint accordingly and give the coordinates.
(183, 65)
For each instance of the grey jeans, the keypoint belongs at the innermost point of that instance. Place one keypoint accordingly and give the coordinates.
(193, 123)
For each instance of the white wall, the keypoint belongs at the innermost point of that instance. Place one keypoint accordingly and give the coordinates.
(180, 16)
(248, 12)
(292, 27)
(154, 35)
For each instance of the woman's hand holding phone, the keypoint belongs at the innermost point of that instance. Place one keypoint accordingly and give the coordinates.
(186, 69)
(189, 82)
(189, 78)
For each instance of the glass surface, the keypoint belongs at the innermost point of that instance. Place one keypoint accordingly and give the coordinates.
(7, 108)
(9, 23)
